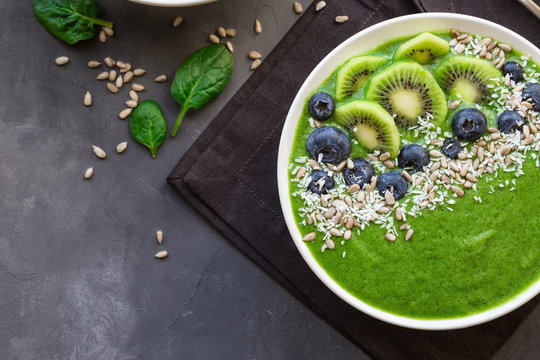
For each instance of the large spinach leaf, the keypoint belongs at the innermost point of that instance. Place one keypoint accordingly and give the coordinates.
(147, 125)
(201, 77)
(70, 21)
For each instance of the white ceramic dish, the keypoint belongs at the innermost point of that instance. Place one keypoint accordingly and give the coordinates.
(173, 3)
(364, 41)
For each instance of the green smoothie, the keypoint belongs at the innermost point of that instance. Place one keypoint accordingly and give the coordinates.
(470, 252)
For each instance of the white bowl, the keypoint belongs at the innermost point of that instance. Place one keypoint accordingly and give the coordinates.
(173, 3)
(364, 41)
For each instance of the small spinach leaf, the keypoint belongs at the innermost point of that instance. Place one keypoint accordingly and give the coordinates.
(147, 125)
(201, 77)
(70, 21)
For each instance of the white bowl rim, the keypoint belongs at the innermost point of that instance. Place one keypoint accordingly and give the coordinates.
(329, 64)
(172, 3)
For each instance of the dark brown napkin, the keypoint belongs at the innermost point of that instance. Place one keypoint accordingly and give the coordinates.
(229, 175)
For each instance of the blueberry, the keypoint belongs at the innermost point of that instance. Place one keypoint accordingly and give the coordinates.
(514, 69)
(394, 182)
(413, 157)
(469, 124)
(321, 106)
(332, 143)
(360, 174)
(451, 148)
(320, 182)
(531, 93)
(510, 121)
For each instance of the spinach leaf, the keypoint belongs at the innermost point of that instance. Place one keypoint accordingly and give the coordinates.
(201, 77)
(70, 21)
(148, 126)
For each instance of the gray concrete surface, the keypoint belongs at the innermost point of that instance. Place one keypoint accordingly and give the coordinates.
(78, 279)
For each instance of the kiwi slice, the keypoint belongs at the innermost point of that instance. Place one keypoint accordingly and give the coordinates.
(352, 75)
(372, 126)
(423, 48)
(467, 78)
(407, 91)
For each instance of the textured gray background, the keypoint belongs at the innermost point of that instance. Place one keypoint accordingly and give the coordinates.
(78, 279)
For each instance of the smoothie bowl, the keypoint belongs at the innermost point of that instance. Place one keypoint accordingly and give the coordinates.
(408, 171)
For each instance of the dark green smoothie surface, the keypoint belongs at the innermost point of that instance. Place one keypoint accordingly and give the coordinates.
(458, 262)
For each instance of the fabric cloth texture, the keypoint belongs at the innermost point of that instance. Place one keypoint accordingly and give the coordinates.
(229, 175)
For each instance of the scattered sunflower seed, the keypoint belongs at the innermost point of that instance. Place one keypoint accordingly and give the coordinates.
(230, 32)
(61, 60)
(139, 72)
(112, 88)
(125, 113)
(159, 237)
(300, 174)
(161, 78)
(505, 47)
(137, 87)
(99, 152)
(389, 198)
(121, 64)
(213, 38)
(330, 244)
(112, 75)
(161, 254)
(102, 36)
(133, 95)
(119, 82)
(320, 5)
(385, 156)
(88, 173)
(342, 19)
(120, 148)
(125, 68)
(87, 99)
(309, 237)
(258, 26)
(409, 234)
(255, 64)
(177, 21)
(298, 7)
(109, 62)
(459, 48)
(254, 55)
(128, 76)
(390, 237)
(454, 104)
(229, 46)
(92, 64)
(108, 31)
(221, 32)
(131, 104)
(103, 76)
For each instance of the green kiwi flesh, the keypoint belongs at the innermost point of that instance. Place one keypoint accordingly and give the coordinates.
(423, 48)
(355, 72)
(371, 125)
(467, 78)
(408, 91)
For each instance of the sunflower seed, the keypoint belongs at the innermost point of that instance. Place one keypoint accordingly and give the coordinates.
(342, 19)
(454, 104)
(159, 236)
(314, 164)
(125, 113)
(254, 55)
(87, 99)
(161, 254)
(301, 172)
(112, 88)
(507, 79)
(258, 26)
(230, 32)
(320, 5)
(361, 196)
(480, 154)
(409, 234)
(468, 184)
(61, 60)
(131, 104)
(497, 61)
(529, 140)
(483, 52)
(120, 148)
(298, 7)
(462, 36)
(99, 152)
(309, 237)
(121, 64)
(177, 21)
(255, 64)
(505, 48)
(484, 42)
(500, 64)
(435, 166)
(407, 176)
(526, 104)
(103, 76)
(125, 68)
(109, 62)
(229, 46)
(213, 38)
(489, 56)
(112, 75)
(453, 42)
(88, 173)
(398, 212)
(471, 178)
(354, 188)
(329, 244)
(457, 190)
(389, 198)
(459, 48)
(495, 51)
(492, 45)
(385, 156)
(102, 36)
(139, 72)
(347, 235)
(467, 40)
(92, 64)
(137, 87)
(389, 164)
(128, 77)
(495, 136)
(435, 153)
(119, 82)
(161, 78)
(108, 31)
(221, 32)
(330, 213)
(335, 232)
(455, 32)
(390, 237)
